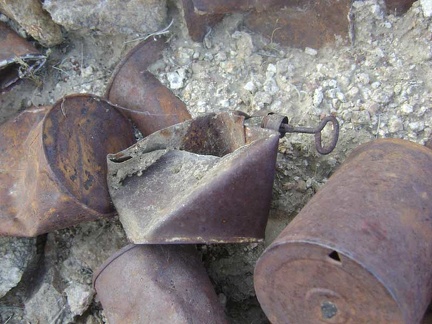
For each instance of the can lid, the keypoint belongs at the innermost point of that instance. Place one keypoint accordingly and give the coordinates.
(311, 283)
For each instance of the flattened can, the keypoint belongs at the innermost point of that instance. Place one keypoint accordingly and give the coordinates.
(360, 251)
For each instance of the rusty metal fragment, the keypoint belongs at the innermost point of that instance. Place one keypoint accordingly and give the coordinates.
(198, 24)
(18, 58)
(360, 250)
(207, 180)
(53, 164)
(35, 21)
(141, 97)
(303, 23)
(157, 284)
(229, 6)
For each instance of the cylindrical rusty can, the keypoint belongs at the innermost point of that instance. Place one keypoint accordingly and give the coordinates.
(360, 251)
(53, 164)
(157, 284)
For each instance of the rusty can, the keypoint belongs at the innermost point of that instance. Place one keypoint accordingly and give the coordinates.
(206, 180)
(157, 284)
(360, 251)
(140, 95)
(18, 58)
(198, 23)
(53, 164)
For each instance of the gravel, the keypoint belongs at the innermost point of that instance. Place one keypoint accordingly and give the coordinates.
(377, 83)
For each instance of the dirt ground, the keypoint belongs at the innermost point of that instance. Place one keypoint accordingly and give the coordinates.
(377, 83)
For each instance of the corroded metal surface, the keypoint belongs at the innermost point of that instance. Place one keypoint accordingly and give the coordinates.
(140, 96)
(208, 180)
(198, 24)
(18, 58)
(157, 284)
(303, 23)
(53, 170)
(280, 124)
(360, 250)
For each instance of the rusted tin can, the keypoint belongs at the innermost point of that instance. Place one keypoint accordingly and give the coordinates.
(309, 23)
(53, 164)
(157, 284)
(18, 58)
(139, 95)
(360, 251)
(207, 180)
(198, 23)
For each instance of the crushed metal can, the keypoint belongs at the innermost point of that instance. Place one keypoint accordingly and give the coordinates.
(139, 95)
(310, 23)
(360, 251)
(207, 180)
(157, 284)
(53, 164)
(18, 58)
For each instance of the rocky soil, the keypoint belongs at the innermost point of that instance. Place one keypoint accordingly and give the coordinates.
(377, 83)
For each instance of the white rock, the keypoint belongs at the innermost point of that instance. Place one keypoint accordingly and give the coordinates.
(87, 72)
(331, 93)
(360, 117)
(108, 17)
(270, 86)
(354, 91)
(427, 7)
(271, 68)
(317, 97)
(250, 86)
(176, 79)
(376, 85)
(363, 78)
(221, 56)
(395, 124)
(340, 96)
(407, 109)
(417, 126)
(79, 298)
(311, 51)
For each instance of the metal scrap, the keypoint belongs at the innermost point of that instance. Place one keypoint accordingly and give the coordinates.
(18, 58)
(201, 181)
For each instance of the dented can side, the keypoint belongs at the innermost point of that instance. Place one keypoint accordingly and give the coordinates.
(360, 250)
(140, 95)
(157, 284)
